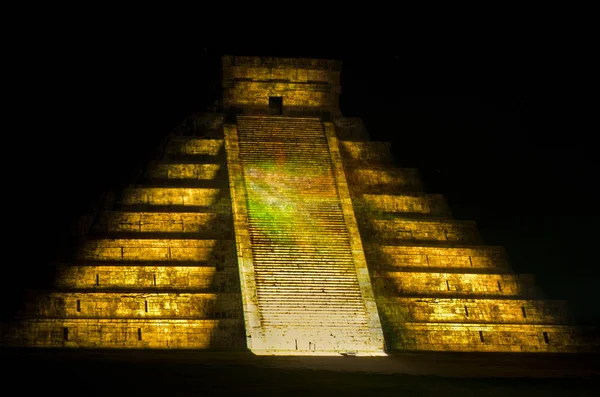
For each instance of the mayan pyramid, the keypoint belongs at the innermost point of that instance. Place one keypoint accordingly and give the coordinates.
(273, 223)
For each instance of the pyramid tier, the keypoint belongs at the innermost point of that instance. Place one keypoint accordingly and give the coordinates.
(142, 304)
(462, 337)
(477, 310)
(381, 179)
(128, 333)
(425, 258)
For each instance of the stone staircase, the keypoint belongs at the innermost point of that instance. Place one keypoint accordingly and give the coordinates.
(308, 293)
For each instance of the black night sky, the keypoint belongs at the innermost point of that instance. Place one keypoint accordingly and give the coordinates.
(507, 143)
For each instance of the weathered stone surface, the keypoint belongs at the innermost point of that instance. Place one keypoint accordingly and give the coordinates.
(179, 146)
(151, 278)
(482, 310)
(307, 287)
(483, 258)
(302, 84)
(85, 304)
(274, 223)
(127, 333)
(467, 337)
(172, 196)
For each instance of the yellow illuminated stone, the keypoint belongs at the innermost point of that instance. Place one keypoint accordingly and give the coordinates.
(490, 337)
(302, 84)
(492, 258)
(153, 250)
(443, 230)
(368, 152)
(162, 222)
(144, 277)
(170, 196)
(456, 283)
(282, 233)
(413, 203)
(255, 93)
(130, 333)
(137, 305)
(481, 310)
(195, 147)
(381, 178)
(185, 171)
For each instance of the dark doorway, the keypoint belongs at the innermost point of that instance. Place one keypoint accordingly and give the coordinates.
(275, 105)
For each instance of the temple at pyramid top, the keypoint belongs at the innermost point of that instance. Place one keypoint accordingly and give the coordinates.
(281, 86)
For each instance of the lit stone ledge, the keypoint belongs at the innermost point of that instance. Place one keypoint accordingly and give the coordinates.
(249, 62)
(440, 284)
(171, 196)
(478, 310)
(135, 305)
(490, 338)
(245, 93)
(127, 333)
(281, 73)
(147, 277)
(421, 203)
(375, 152)
(168, 222)
(185, 171)
(168, 250)
(420, 230)
(194, 147)
(487, 257)
(383, 178)
(309, 94)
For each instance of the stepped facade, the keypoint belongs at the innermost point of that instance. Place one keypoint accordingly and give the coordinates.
(273, 223)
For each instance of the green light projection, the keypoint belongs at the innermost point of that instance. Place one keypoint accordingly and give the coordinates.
(307, 292)
(287, 205)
